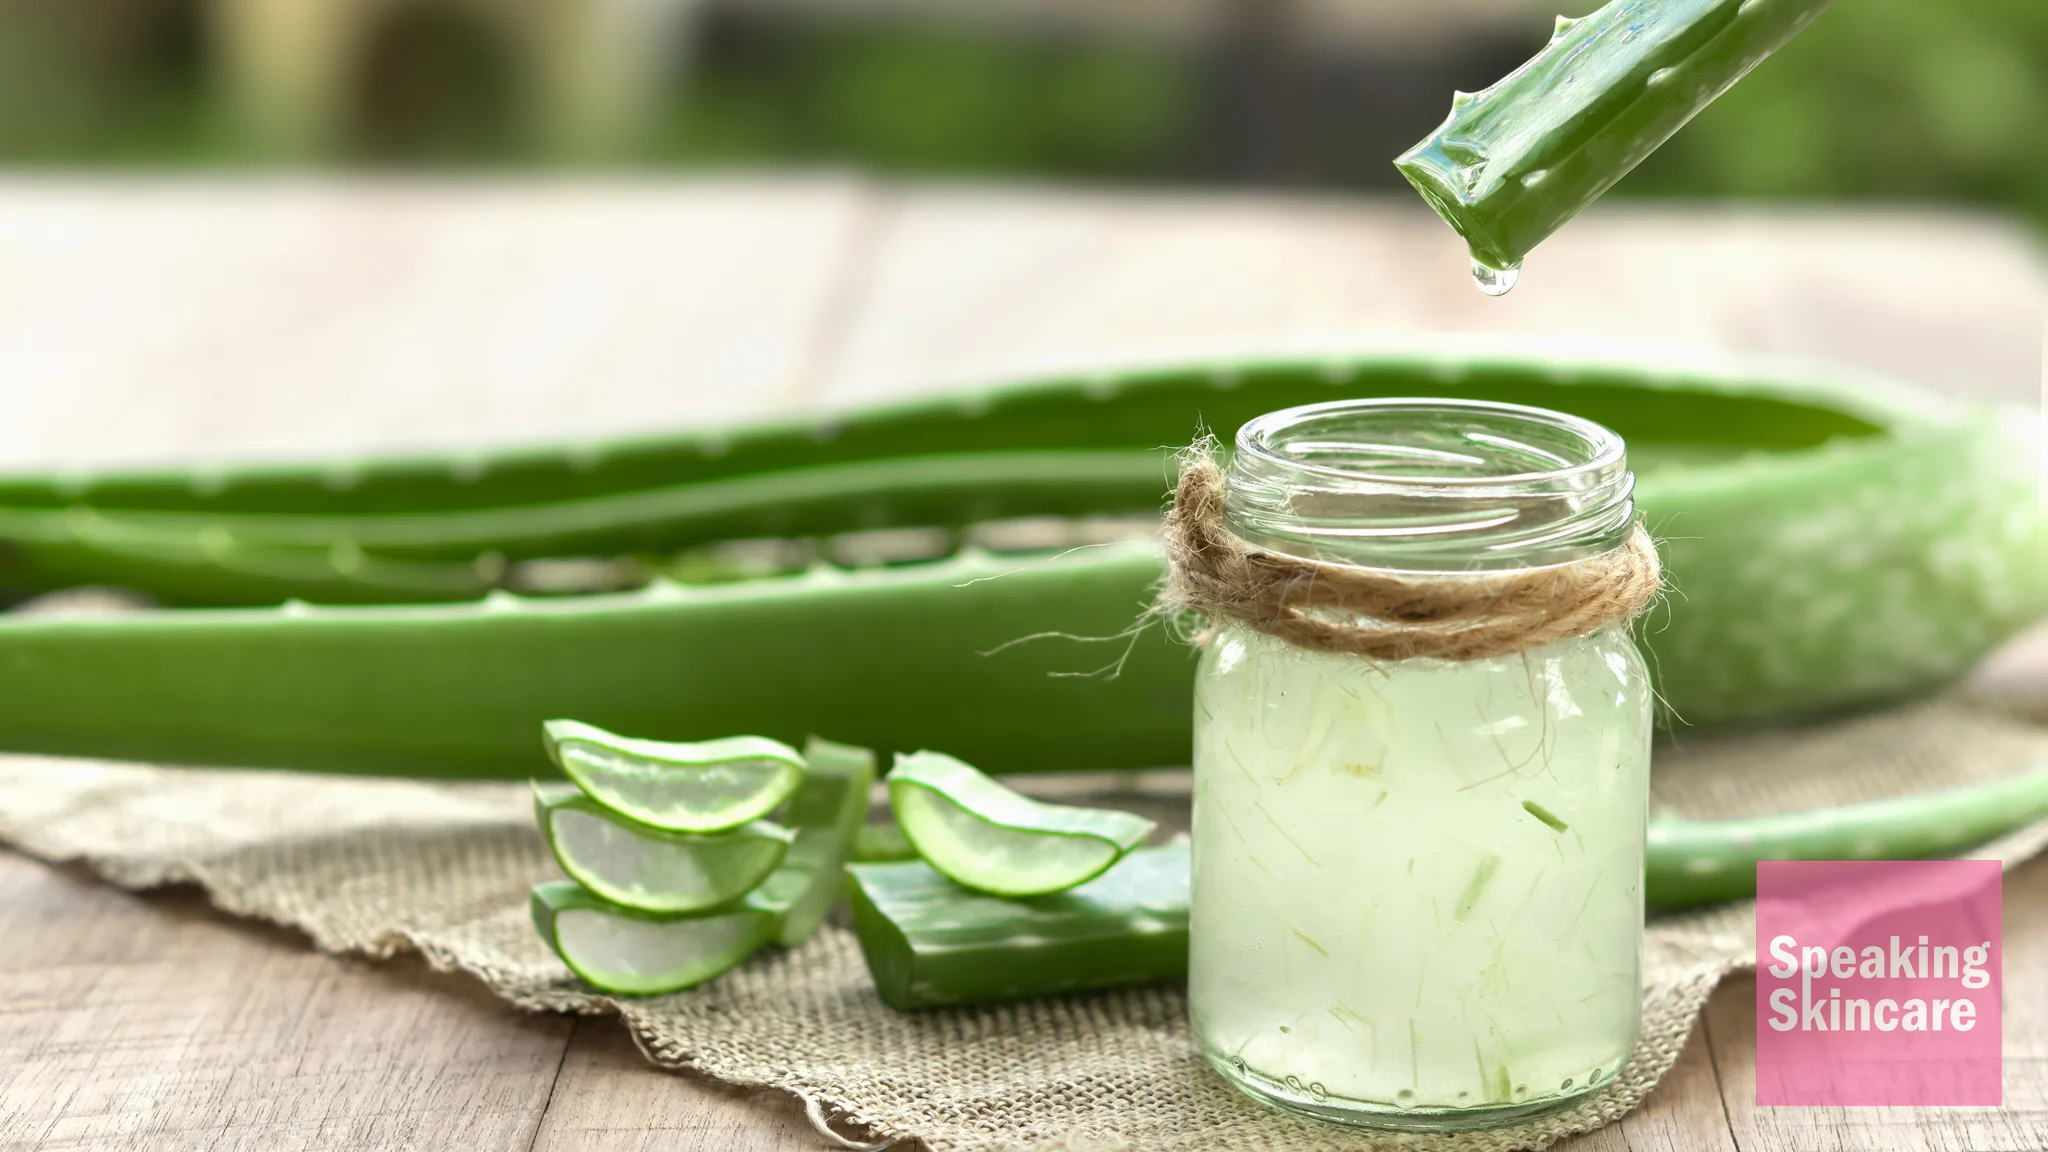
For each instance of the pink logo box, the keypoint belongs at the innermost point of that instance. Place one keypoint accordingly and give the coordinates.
(1878, 982)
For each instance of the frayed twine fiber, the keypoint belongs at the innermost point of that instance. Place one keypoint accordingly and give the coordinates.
(1383, 615)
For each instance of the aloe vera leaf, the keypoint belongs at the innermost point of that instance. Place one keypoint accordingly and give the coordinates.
(1748, 633)
(1513, 163)
(890, 659)
(634, 952)
(1714, 861)
(1662, 412)
(895, 658)
(205, 564)
(930, 943)
(644, 867)
(982, 835)
(913, 491)
(709, 786)
(828, 810)
(1133, 408)
(1668, 413)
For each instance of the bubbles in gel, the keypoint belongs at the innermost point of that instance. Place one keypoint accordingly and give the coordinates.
(1495, 281)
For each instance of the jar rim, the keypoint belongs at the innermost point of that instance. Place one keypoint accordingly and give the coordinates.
(1430, 484)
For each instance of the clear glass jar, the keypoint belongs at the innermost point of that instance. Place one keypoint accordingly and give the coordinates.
(1418, 885)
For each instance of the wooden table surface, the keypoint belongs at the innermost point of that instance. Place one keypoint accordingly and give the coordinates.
(180, 320)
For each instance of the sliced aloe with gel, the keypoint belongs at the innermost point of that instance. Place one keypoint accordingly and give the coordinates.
(638, 953)
(635, 952)
(704, 787)
(647, 868)
(984, 836)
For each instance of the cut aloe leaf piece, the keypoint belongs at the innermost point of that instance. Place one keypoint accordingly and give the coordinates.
(1513, 163)
(644, 867)
(635, 952)
(883, 842)
(993, 840)
(931, 943)
(704, 787)
(827, 812)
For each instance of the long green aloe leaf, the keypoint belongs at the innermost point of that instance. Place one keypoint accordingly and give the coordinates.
(644, 867)
(1132, 408)
(1753, 482)
(980, 834)
(931, 943)
(709, 786)
(1513, 163)
(820, 500)
(634, 952)
(1714, 861)
(892, 659)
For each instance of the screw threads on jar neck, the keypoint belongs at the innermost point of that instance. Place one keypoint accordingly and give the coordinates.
(1430, 485)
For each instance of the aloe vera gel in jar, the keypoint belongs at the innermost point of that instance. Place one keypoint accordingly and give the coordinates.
(1422, 742)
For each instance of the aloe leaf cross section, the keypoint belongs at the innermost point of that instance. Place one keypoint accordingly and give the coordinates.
(637, 951)
(986, 837)
(704, 787)
(1513, 163)
(650, 869)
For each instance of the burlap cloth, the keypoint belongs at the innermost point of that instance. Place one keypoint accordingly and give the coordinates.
(378, 866)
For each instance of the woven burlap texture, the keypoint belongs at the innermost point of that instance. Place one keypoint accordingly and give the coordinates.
(379, 866)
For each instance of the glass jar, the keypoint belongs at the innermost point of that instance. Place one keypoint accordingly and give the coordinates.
(1418, 884)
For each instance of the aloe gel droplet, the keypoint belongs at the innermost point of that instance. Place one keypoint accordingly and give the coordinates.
(1495, 281)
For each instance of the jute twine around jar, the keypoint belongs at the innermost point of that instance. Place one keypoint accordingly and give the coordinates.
(1384, 615)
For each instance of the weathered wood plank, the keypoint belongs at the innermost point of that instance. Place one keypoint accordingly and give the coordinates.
(1682, 1115)
(2021, 1125)
(974, 284)
(156, 1022)
(610, 1099)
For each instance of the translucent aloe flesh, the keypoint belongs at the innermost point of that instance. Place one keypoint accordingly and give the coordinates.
(991, 839)
(644, 867)
(1752, 482)
(1513, 163)
(703, 787)
(930, 943)
(636, 951)
(639, 953)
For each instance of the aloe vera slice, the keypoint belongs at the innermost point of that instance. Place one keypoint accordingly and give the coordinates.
(931, 943)
(635, 952)
(1513, 163)
(646, 868)
(988, 838)
(827, 812)
(705, 787)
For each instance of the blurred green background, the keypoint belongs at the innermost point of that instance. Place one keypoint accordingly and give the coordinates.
(1881, 99)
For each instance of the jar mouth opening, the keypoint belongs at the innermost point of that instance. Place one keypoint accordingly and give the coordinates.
(1318, 439)
(1430, 484)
